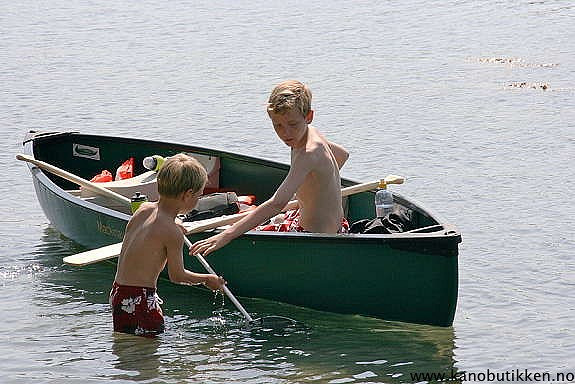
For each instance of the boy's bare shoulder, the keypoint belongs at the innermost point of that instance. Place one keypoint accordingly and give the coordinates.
(146, 208)
(166, 227)
(150, 215)
(142, 214)
(317, 148)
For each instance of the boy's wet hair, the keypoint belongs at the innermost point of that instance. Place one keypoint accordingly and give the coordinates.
(179, 174)
(289, 95)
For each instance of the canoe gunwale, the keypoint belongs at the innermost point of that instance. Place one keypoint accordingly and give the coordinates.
(443, 243)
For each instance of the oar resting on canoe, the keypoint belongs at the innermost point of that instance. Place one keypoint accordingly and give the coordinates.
(112, 251)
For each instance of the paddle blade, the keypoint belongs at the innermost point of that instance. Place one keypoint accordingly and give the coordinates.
(394, 179)
(94, 255)
(273, 323)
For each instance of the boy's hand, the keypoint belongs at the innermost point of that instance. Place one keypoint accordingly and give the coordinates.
(207, 246)
(214, 282)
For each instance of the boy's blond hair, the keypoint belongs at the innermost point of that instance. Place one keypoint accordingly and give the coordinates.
(288, 95)
(179, 174)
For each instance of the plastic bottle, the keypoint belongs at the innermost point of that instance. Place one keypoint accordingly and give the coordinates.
(153, 163)
(383, 200)
(137, 200)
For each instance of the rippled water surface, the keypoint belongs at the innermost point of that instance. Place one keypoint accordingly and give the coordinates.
(472, 101)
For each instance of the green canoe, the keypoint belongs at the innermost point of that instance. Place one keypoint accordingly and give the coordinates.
(410, 276)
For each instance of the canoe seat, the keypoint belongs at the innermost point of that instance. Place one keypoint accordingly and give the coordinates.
(144, 183)
(104, 201)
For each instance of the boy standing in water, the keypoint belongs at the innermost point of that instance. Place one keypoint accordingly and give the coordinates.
(151, 241)
(313, 176)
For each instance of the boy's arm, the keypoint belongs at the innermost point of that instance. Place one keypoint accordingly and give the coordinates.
(296, 176)
(340, 153)
(176, 270)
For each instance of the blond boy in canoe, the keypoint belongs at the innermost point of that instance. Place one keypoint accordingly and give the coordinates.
(151, 241)
(313, 175)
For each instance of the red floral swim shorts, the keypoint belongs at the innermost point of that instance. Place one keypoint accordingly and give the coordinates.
(136, 310)
(291, 223)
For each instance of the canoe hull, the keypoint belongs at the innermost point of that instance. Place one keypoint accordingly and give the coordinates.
(409, 277)
(83, 222)
(353, 276)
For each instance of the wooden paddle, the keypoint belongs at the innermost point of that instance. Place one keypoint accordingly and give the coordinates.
(273, 321)
(74, 179)
(111, 251)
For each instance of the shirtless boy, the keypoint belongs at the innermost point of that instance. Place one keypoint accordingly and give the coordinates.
(152, 240)
(313, 176)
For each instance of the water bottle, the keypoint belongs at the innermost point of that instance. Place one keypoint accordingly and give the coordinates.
(137, 200)
(153, 163)
(383, 200)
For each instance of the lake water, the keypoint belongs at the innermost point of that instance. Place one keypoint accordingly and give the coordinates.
(473, 101)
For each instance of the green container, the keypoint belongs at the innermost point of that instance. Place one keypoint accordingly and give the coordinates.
(137, 200)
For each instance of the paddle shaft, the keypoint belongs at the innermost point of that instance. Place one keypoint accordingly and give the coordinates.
(226, 290)
(347, 191)
(109, 252)
(75, 179)
(97, 189)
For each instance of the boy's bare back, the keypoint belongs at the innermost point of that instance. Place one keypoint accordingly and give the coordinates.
(149, 235)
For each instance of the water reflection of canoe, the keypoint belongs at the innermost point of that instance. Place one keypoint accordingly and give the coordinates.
(410, 276)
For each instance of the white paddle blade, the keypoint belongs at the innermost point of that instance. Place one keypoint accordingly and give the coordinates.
(371, 185)
(394, 179)
(111, 251)
(94, 255)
